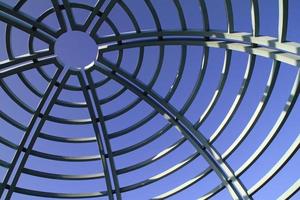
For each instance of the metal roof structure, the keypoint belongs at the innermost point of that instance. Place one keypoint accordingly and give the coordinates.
(87, 81)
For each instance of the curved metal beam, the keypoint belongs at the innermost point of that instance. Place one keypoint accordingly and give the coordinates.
(104, 135)
(28, 133)
(184, 126)
(289, 58)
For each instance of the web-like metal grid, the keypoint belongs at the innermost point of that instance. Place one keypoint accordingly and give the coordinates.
(88, 88)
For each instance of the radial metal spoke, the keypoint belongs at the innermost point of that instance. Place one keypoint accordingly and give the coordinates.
(24, 27)
(59, 15)
(271, 136)
(29, 129)
(97, 134)
(70, 15)
(154, 15)
(185, 127)
(105, 14)
(25, 22)
(93, 14)
(105, 134)
(146, 97)
(37, 130)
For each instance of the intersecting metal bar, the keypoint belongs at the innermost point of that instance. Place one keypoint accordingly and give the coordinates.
(168, 126)
(28, 130)
(27, 66)
(97, 133)
(71, 19)
(288, 58)
(23, 18)
(105, 135)
(235, 144)
(59, 15)
(105, 14)
(24, 27)
(242, 37)
(278, 49)
(78, 28)
(270, 137)
(24, 58)
(193, 137)
(260, 108)
(36, 133)
(92, 15)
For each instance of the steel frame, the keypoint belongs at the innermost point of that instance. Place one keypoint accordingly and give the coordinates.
(254, 44)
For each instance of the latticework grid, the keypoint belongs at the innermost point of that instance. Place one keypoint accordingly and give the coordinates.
(120, 101)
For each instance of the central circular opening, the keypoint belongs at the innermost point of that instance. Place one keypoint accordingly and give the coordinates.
(76, 49)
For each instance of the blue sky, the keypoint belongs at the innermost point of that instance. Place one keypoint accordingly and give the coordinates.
(76, 48)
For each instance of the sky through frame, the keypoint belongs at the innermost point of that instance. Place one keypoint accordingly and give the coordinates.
(175, 99)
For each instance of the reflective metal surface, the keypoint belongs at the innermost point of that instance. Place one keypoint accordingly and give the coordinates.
(87, 84)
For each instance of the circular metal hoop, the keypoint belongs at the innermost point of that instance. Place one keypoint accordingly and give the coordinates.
(114, 101)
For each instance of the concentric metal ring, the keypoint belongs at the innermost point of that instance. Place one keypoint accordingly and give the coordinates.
(106, 104)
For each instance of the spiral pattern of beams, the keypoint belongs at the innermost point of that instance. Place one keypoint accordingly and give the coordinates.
(141, 111)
